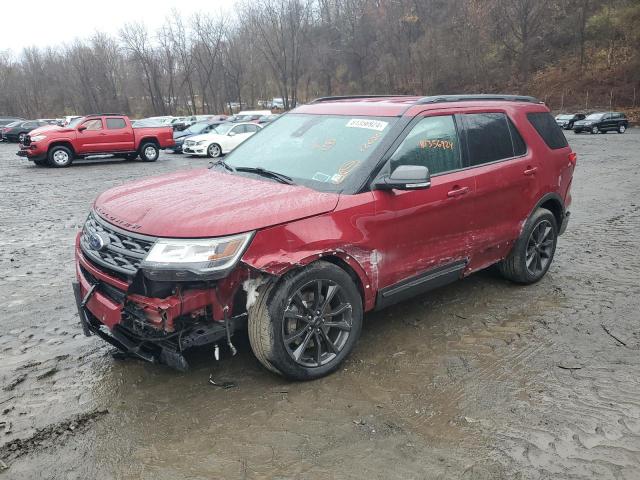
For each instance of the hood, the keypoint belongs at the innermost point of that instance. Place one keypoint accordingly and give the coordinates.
(208, 203)
(50, 128)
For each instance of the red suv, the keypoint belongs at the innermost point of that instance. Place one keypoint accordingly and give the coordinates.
(342, 206)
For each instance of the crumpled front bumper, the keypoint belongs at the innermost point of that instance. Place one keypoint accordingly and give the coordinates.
(104, 302)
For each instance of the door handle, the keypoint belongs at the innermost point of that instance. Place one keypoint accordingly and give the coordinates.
(530, 170)
(457, 191)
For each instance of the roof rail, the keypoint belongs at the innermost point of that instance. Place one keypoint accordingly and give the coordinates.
(477, 97)
(106, 115)
(355, 97)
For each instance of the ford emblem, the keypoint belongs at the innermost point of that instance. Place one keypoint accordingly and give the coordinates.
(98, 241)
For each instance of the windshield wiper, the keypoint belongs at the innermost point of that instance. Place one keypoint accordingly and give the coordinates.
(267, 173)
(223, 163)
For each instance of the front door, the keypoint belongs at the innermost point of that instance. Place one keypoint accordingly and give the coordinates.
(92, 137)
(421, 231)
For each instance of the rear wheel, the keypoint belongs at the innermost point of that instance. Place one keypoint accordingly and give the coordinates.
(595, 130)
(22, 137)
(60, 156)
(305, 326)
(149, 152)
(533, 252)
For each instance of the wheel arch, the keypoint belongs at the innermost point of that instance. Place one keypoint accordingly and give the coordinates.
(61, 143)
(144, 140)
(338, 257)
(552, 202)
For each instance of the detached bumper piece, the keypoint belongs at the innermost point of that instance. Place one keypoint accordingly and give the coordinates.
(167, 349)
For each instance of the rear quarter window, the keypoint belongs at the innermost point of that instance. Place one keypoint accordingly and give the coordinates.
(548, 129)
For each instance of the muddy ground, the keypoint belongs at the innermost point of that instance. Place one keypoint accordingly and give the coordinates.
(478, 380)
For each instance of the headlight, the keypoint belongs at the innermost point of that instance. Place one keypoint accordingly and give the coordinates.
(36, 138)
(201, 142)
(175, 259)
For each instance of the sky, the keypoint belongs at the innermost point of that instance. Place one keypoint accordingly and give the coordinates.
(45, 23)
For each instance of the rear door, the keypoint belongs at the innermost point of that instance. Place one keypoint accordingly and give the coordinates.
(119, 135)
(506, 173)
(418, 233)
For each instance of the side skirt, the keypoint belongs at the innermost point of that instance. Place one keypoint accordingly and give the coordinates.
(421, 283)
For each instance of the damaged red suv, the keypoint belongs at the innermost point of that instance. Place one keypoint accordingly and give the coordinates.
(342, 206)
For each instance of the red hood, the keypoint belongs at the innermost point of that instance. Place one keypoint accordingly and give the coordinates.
(50, 128)
(206, 203)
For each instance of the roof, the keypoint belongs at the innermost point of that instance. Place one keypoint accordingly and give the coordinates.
(397, 105)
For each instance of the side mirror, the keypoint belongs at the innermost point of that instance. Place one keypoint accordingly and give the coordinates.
(232, 134)
(82, 128)
(405, 177)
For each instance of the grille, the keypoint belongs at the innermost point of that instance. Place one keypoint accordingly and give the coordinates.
(123, 251)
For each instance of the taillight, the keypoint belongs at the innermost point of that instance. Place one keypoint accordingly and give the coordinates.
(573, 158)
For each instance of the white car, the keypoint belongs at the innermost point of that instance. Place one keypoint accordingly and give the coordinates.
(222, 139)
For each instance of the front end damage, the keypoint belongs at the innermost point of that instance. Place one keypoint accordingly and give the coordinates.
(159, 321)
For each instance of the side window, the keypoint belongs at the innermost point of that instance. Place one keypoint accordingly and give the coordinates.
(548, 129)
(607, 116)
(95, 124)
(490, 137)
(433, 143)
(238, 129)
(519, 147)
(251, 128)
(116, 123)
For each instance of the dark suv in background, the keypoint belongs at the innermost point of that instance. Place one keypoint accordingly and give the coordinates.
(602, 122)
(567, 120)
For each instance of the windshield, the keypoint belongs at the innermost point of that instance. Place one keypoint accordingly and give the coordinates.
(320, 151)
(222, 129)
(75, 122)
(595, 116)
(196, 128)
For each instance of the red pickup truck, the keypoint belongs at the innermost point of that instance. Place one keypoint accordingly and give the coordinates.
(99, 134)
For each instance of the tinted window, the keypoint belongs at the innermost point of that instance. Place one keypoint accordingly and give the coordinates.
(490, 138)
(433, 143)
(548, 129)
(116, 123)
(251, 128)
(239, 129)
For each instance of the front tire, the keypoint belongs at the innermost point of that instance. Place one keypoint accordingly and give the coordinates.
(60, 156)
(304, 326)
(149, 152)
(214, 151)
(531, 256)
(622, 129)
(595, 130)
(22, 137)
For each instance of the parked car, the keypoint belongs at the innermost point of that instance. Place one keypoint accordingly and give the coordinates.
(221, 140)
(266, 119)
(4, 121)
(602, 122)
(8, 122)
(567, 120)
(196, 129)
(344, 206)
(277, 103)
(19, 130)
(99, 134)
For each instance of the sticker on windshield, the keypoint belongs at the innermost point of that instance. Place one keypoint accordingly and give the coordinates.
(321, 177)
(365, 123)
